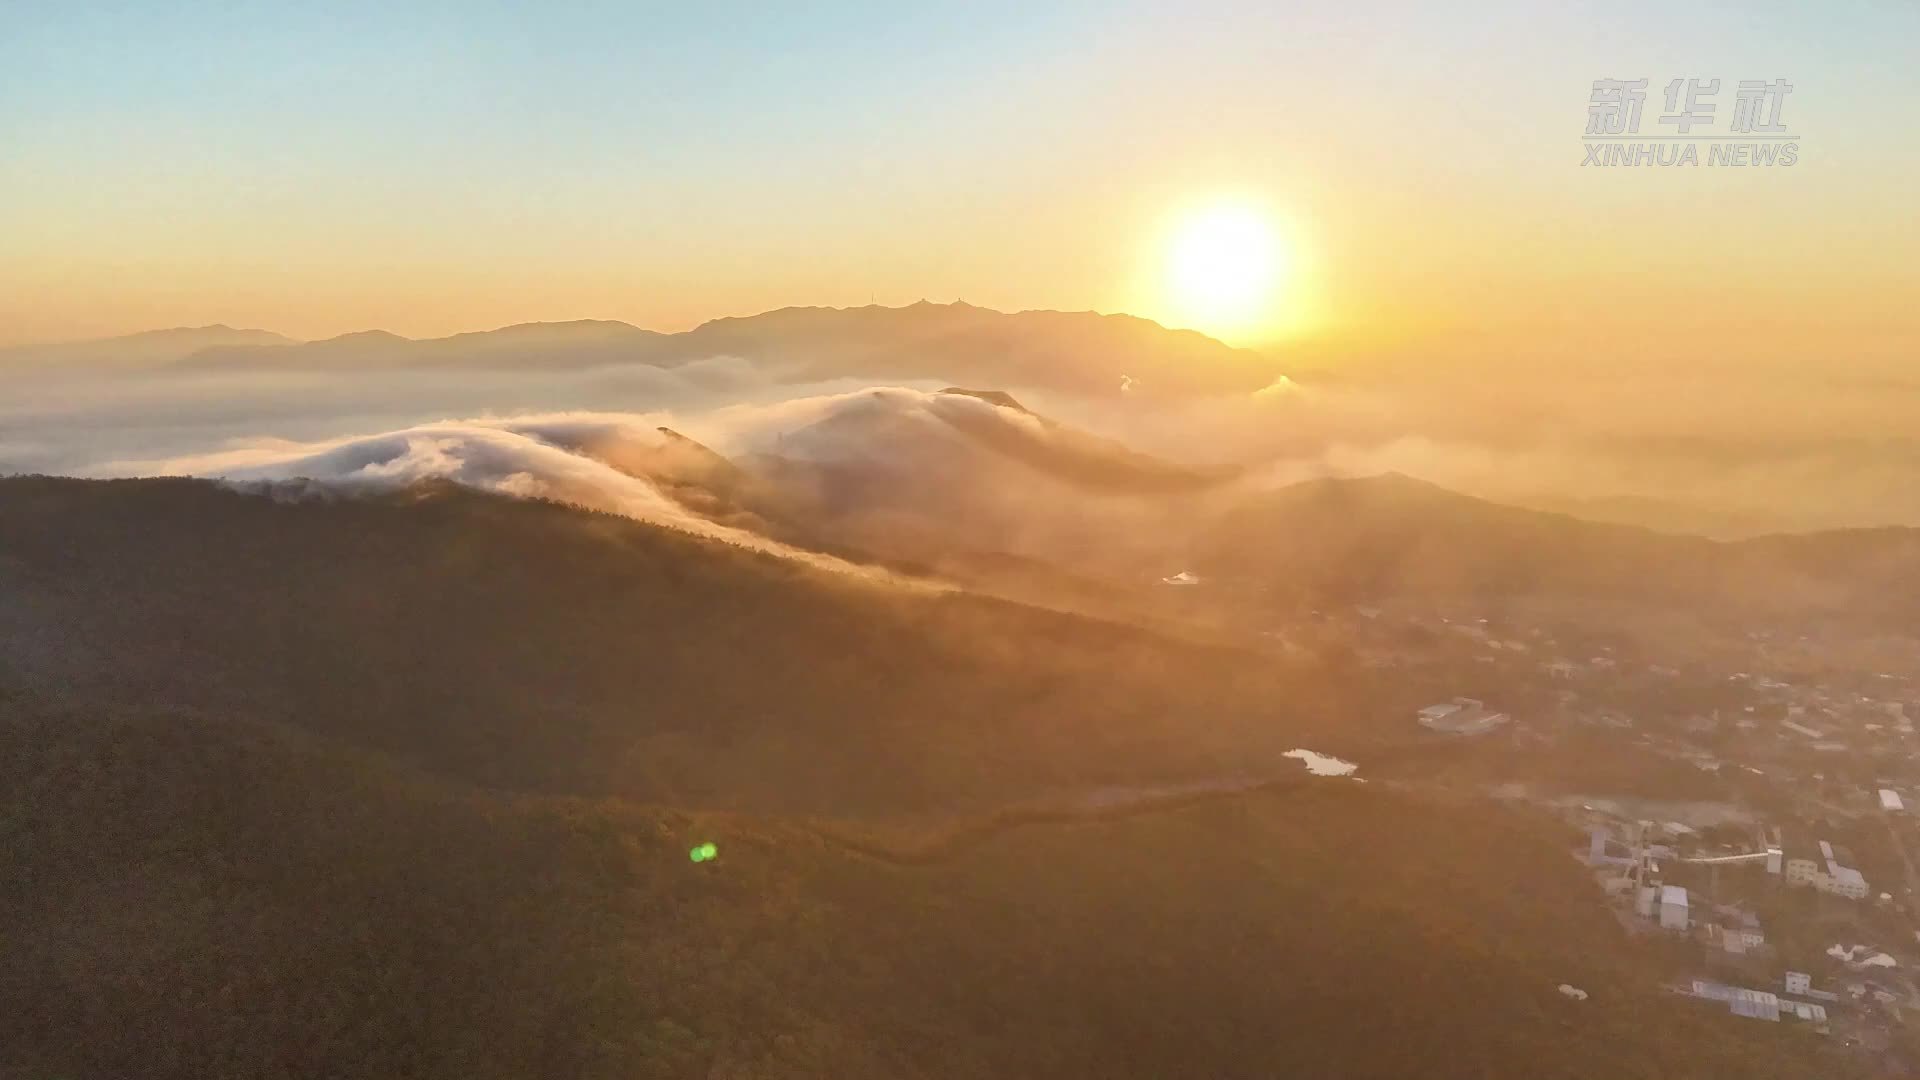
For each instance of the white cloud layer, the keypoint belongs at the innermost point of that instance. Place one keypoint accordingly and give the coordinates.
(1759, 454)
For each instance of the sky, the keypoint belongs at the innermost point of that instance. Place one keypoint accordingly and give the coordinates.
(432, 168)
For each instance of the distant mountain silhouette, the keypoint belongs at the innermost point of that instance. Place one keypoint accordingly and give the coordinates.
(558, 345)
(1395, 536)
(1080, 351)
(1668, 515)
(148, 348)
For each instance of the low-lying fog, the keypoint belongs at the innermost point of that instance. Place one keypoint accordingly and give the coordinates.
(1715, 454)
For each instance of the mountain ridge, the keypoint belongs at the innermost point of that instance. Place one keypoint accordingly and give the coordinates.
(396, 646)
(1083, 351)
(161, 347)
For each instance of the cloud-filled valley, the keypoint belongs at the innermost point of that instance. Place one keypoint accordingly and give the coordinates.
(538, 410)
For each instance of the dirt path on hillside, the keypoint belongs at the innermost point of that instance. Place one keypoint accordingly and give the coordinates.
(945, 841)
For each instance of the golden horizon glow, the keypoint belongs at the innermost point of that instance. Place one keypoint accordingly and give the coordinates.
(296, 172)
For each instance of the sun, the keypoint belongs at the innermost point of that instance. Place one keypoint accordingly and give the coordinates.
(1224, 268)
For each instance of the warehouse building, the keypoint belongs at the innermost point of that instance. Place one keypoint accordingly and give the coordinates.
(1673, 908)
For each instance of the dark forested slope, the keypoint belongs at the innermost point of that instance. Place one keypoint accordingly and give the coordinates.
(532, 646)
(223, 899)
(407, 787)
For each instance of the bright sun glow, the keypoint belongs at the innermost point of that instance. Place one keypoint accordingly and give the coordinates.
(1224, 269)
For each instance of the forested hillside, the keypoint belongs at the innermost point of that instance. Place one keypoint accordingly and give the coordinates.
(529, 646)
(200, 898)
(408, 786)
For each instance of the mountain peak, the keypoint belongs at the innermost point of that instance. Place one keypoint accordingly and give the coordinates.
(563, 330)
(991, 397)
(197, 336)
(363, 337)
(146, 347)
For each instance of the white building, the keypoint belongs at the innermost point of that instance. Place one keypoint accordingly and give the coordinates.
(1843, 881)
(1806, 1010)
(1833, 878)
(1673, 908)
(1461, 716)
(1800, 983)
(1736, 940)
(1890, 800)
(1756, 1004)
(1773, 861)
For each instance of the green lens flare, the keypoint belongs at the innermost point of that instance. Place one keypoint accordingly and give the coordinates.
(704, 852)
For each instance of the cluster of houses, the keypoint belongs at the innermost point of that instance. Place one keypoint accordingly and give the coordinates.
(1629, 856)
(1640, 868)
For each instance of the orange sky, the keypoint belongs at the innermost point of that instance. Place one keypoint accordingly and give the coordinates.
(1425, 173)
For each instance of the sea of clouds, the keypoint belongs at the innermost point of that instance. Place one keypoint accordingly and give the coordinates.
(1776, 454)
